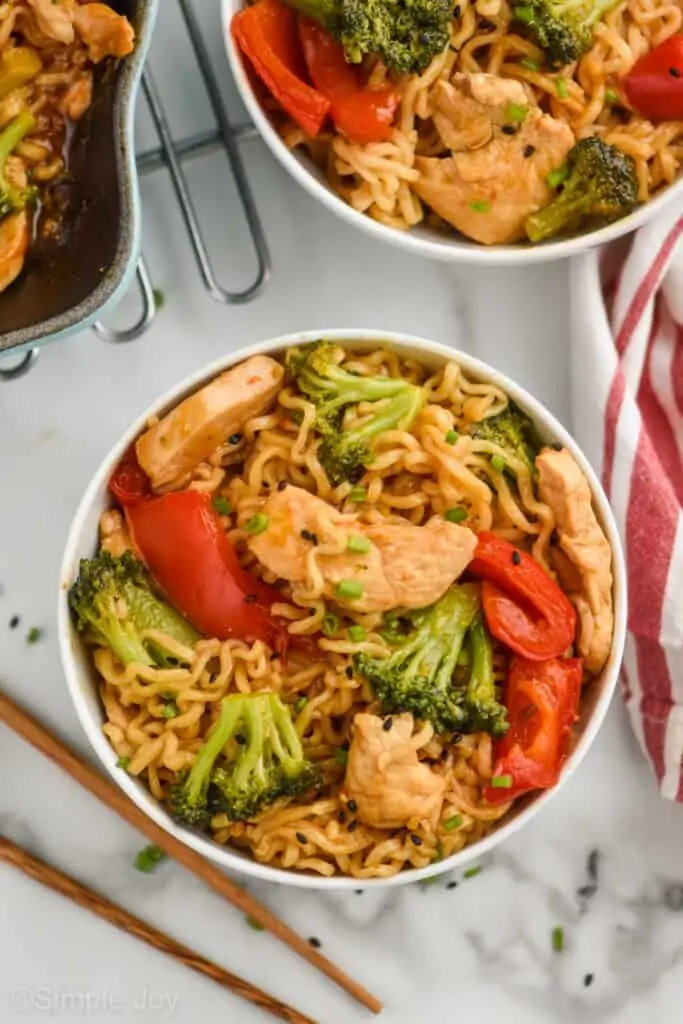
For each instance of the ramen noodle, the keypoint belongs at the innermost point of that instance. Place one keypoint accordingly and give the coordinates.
(269, 461)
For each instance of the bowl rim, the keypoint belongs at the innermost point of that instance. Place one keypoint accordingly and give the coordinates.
(224, 856)
(444, 248)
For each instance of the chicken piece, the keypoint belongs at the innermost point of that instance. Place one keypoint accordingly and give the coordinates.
(584, 557)
(191, 432)
(15, 236)
(468, 107)
(77, 98)
(105, 33)
(488, 193)
(54, 19)
(114, 536)
(406, 566)
(392, 788)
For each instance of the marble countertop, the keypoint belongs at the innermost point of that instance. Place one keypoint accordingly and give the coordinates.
(602, 862)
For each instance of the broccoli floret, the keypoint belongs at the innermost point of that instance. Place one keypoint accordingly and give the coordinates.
(406, 34)
(513, 431)
(562, 28)
(113, 601)
(332, 389)
(13, 199)
(267, 761)
(418, 675)
(481, 706)
(601, 186)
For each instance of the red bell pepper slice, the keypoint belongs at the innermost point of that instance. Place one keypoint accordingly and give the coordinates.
(524, 608)
(266, 33)
(542, 698)
(364, 115)
(129, 483)
(654, 85)
(180, 539)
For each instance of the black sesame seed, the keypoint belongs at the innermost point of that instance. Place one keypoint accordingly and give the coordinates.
(486, 25)
(14, 622)
(316, 943)
(592, 865)
(456, 738)
(307, 535)
(249, 598)
(352, 806)
(516, 558)
(451, 885)
(341, 817)
(281, 485)
(353, 826)
(265, 485)
(235, 438)
(457, 11)
(274, 656)
(588, 980)
(239, 738)
(415, 840)
(300, 837)
(557, 446)
(529, 151)
(349, 672)
(359, 892)
(387, 724)
(674, 72)
(508, 129)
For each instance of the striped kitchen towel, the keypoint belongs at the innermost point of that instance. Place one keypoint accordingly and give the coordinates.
(627, 405)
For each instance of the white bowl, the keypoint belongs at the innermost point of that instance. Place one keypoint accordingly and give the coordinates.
(82, 543)
(422, 240)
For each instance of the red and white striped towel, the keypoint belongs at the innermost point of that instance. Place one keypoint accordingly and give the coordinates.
(627, 395)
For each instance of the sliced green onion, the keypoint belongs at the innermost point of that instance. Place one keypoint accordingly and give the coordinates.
(330, 624)
(498, 463)
(357, 634)
(147, 859)
(471, 872)
(170, 710)
(456, 515)
(299, 704)
(222, 505)
(451, 436)
(501, 781)
(481, 206)
(253, 923)
(159, 299)
(524, 14)
(561, 88)
(612, 96)
(257, 523)
(123, 762)
(430, 880)
(450, 824)
(359, 545)
(34, 635)
(341, 756)
(516, 112)
(529, 64)
(558, 939)
(358, 494)
(557, 176)
(349, 590)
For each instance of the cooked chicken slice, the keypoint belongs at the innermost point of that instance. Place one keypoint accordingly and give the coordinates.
(405, 566)
(488, 193)
(468, 107)
(15, 235)
(191, 432)
(114, 536)
(105, 33)
(584, 558)
(390, 785)
(77, 98)
(54, 19)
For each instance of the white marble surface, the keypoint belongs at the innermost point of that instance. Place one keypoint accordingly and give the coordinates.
(480, 952)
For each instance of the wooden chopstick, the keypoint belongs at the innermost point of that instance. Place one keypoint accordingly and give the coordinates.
(36, 734)
(98, 904)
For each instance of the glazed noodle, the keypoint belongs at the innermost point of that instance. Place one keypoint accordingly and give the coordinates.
(158, 718)
(386, 179)
(48, 49)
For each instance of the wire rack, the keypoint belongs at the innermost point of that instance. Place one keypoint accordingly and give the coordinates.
(170, 155)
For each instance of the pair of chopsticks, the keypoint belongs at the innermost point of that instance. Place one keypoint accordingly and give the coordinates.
(38, 736)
